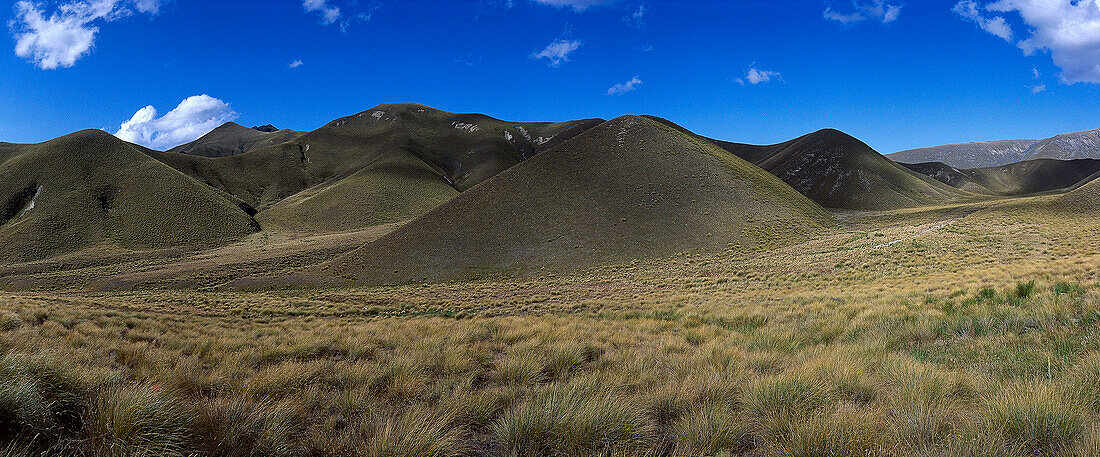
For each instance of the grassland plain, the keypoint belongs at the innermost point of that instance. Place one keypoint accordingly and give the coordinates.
(956, 330)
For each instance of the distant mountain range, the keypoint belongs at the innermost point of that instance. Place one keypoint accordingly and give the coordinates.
(1068, 146)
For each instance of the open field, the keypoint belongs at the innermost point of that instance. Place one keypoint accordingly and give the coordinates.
(957, 330)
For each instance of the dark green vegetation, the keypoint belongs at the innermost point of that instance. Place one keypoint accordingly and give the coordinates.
(631, 188)
(232, 139)
(838, 171)
(90, 188)
(1020, 178)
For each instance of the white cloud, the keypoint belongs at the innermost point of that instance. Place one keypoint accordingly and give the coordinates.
(1035, 71)
(295, 64)
(637, 18)
(60, 38)
(576, 5)
(329, 14)
(1068, 29)
(623, 88)
(558, 51)
(866, 10)
(194, 117)
(995, 25)
(1039, 88)
(757, 76)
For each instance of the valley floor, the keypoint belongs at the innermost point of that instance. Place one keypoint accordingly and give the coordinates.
(960, 330)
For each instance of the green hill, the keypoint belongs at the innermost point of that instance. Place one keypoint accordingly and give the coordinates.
(838, 171)
(1015, 179)
(90, 187)
(630, 188)
(232, 139)
(359, 169)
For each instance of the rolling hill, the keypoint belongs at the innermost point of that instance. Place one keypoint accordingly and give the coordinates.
(838, 171)
(1020, 178)
(1068, 146)
(630, 188)
(356, 170)
(89, 187)
(232, 139)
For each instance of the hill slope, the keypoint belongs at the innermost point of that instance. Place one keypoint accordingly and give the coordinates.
(232, 139)
(838, 171)
(356, 167)
(90, 187)
(1020, 178)
(629, 188)
(1083, 199)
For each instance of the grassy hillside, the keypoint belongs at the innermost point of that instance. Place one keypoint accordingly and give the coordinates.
(1016, 179)
(1085, 198)
(839, 171)
(428, 149)
(232, 139)
(90, 187)
(1033, 176)
(630, 188)
(949, 175)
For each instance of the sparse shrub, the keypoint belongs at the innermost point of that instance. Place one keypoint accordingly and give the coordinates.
(987, 294)
(143, 420)
(1025, 289)
(9, 321)
(1036, 416)
(564, 421)
(1066, 288)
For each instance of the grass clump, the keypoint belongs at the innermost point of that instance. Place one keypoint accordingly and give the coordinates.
(1039, 418)
(571, 421)
(712, 429)
(141, 420)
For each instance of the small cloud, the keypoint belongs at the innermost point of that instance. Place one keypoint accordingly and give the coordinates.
(1039, 88)
(557, 52)
(995, 25)
(757, 76)
(1035, 70)
(329, 14)
(295, 64)
(646, 48)
(637, 18)
(468, 59)
(865, 10)
(194, 117)
(576, 5)
(59, 39)
(623, 88)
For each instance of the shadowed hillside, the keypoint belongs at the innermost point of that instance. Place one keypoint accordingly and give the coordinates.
(838, 171)
(90, 187)
(949, 175)
(1021, 178)
(232, 139)
(630, 188)
(358, 169)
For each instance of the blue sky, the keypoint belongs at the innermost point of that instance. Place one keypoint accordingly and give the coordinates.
(896, 74)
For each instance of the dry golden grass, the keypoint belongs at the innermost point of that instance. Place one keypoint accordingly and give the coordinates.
(978, 337)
